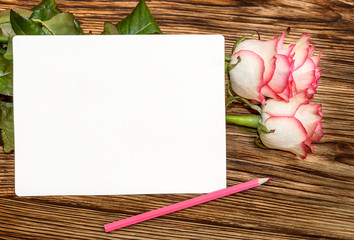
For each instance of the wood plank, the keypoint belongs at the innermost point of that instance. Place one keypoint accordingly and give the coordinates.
(307, 199)
(43, 221)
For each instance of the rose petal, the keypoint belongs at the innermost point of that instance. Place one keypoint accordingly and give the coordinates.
(247, 77)
(311, 50)
(287, 50)
(281, 48)
(280, 85)
(286, 94)
(301, 50)
(310, 117)
(288, 135)
(305, 76)
(268, 92)
(281, 74)
(317, 77)
(316, 59)
(318, 134)
(284, 109)
(280, 42)
(265, 49)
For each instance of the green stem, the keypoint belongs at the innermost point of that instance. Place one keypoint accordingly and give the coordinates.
(239, 41)
(4, 39)
(247, 121)
(253, 106)
(245, 101)
(227, 59)
(248, 129)
(228, 85)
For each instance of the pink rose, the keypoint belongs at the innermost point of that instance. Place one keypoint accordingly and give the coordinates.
(272, 69)
(296, 124)
(262, 72)
(306, 73)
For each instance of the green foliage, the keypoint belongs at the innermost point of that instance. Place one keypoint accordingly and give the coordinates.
(78, 28)
(8, 53)
(140, 21)
(45, 10)
(110, 29)
(2, 50)
(54, 21)
(61, 24)
(5, 76)
(47, 19)
(6, 30)
(24, 26)
(5, 15)
(7, 126)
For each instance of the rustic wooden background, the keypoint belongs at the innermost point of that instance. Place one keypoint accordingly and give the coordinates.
(307, 199)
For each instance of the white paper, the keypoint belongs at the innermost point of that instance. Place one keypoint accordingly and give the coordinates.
(103, 115)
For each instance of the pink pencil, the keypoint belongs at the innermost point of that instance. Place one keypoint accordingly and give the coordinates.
(185, 204)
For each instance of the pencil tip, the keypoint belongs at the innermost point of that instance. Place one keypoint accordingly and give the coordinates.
(263, 180)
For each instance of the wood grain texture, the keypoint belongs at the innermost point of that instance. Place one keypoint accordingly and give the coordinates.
(306, 199)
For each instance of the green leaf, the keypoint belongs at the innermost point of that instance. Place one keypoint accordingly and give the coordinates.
(24, 26)
(233, 65)
(7, 126)
(61, 24)
(47, 13)
(46, 31)
(8, 53)
(6, 30)
(5, 15)
(258, 143)
(110, 29)
(45, 10)
(6, 76)
(262, 129)
(2, 50)
(140, 21)
(79, 30)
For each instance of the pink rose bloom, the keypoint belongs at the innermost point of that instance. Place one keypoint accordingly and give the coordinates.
(272, 69)
(306, 73)
(262, 72)
(296, 124)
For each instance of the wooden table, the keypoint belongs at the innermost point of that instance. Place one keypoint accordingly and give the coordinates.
(307, 199)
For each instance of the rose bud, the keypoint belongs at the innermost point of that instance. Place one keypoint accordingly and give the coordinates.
(292, 125)
(272, 69)
(261, 71)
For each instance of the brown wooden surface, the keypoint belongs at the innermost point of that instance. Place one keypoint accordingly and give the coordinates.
(307, 199)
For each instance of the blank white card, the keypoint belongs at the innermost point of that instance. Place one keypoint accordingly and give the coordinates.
(103, 115)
